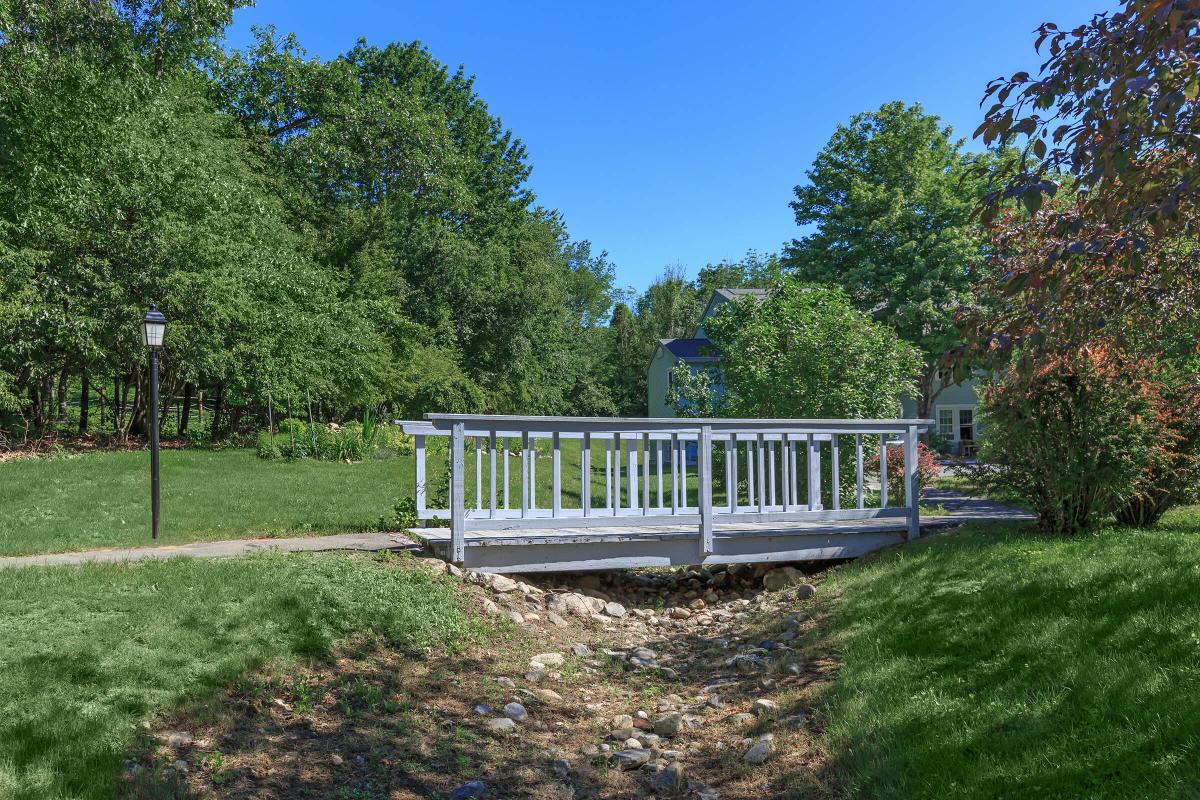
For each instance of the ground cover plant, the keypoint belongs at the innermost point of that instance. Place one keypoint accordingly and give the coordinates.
(997, 663)
(90, 652)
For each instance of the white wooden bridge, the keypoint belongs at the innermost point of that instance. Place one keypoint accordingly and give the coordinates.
(659, 492)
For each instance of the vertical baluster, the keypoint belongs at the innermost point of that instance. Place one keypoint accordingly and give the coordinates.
(760, 446)
(771, 473)
(858, 468)
(883, 470)
(507, 448)
(608, 485)
(645, 474)
(532, 473)
(658, 458)
(634, 496)
(524, 473)
(419, 444)
(458, 499)
(585, 477)
(835, 485)
(616, 472)
(911, 487)
(683, 473)
(479, 473)
(492, 474)
(794, 465)
(785, 482)
(556, 477)
(730, 478)
(732, 469)
(704, 489)
(814, 473)
(674, 473)
(750, 474)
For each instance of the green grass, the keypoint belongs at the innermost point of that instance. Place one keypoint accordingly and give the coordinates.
(994, 663)
(89, 652)
(102, 499)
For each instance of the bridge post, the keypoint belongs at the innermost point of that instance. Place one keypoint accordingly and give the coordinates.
(704, 468)
(458, 499)
(911, 482)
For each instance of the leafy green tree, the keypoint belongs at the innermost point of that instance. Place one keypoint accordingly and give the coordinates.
(805, 351)
(754, 270)
(695, 392)
(891, 198)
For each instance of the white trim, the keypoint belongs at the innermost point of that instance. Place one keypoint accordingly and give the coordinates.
(955, 425)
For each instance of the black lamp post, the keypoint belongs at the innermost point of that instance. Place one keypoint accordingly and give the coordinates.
(154, 330)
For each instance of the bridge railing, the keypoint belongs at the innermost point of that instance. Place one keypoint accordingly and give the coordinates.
(661, 471)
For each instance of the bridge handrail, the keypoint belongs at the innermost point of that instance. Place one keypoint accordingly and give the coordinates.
(665, 443)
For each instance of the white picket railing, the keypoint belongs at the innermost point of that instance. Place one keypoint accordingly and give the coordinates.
(660, 471)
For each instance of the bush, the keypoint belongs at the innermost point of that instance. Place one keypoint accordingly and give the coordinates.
(267, 446)
(1070, 432)
(1173, 463)
(927, 469)
(403, 517)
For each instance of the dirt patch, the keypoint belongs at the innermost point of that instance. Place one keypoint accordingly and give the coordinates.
(682, 683)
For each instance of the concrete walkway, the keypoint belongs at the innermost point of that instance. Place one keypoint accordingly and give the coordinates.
(965, 508)
(368, 542)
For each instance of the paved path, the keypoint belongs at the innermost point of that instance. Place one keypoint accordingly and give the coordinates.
(965, 508)
(226, 549)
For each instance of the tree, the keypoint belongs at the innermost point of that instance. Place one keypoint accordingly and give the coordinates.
(891, 197)
(805, 351)
(1112, 115)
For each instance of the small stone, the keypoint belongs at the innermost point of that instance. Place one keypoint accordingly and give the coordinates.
(491, 608)
(590, 750)
(622, 721)
(516, 712)
(697, 604)
(765, 709)
(555, 619)
(794, 668)
(630, 759)
(679, 613)
(469, 790)
(614, 609)
(781, 578)
(632, 744)
(741, 719)
(483, 708)
(560, 767)
(336, 759)
(517, 617)
(581, 650)
(180, 766)
(502, 583)
(761, 750)
(534, 675)
(178, 740)
(668, 725)
(644, 654)
(507, 683)
(671, 780)
(502, 725)
(550, 694)
(548, 660)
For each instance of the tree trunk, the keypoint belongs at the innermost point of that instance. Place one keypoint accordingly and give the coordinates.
(185, 412)
(85, 389)
(63, 384)
(217, 410)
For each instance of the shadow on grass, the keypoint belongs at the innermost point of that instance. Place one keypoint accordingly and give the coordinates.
(994, 662)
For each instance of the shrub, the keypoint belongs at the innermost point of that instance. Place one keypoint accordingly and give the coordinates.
(927, 469)
(1173, 463)
(267, 446)
(1070, 432)
(403, 517)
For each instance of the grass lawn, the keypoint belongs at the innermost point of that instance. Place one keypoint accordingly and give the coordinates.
(102, 499)
(994, 663)
(88, 653)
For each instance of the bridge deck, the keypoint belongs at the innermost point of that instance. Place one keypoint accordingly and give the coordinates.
(569, 549)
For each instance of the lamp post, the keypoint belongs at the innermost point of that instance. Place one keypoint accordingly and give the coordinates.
(154, 330)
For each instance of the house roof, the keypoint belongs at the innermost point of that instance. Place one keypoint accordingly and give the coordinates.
(688, 349)
(730, 293)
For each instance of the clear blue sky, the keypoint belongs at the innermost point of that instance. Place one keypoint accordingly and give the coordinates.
(673, 132)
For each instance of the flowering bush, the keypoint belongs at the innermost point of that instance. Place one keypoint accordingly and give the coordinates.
(927, 469)
(1071, 432)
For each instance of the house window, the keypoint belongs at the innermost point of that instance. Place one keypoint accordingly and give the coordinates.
(946, 423)
(966, 424)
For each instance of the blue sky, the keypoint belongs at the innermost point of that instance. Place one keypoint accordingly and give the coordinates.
(673, 132)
